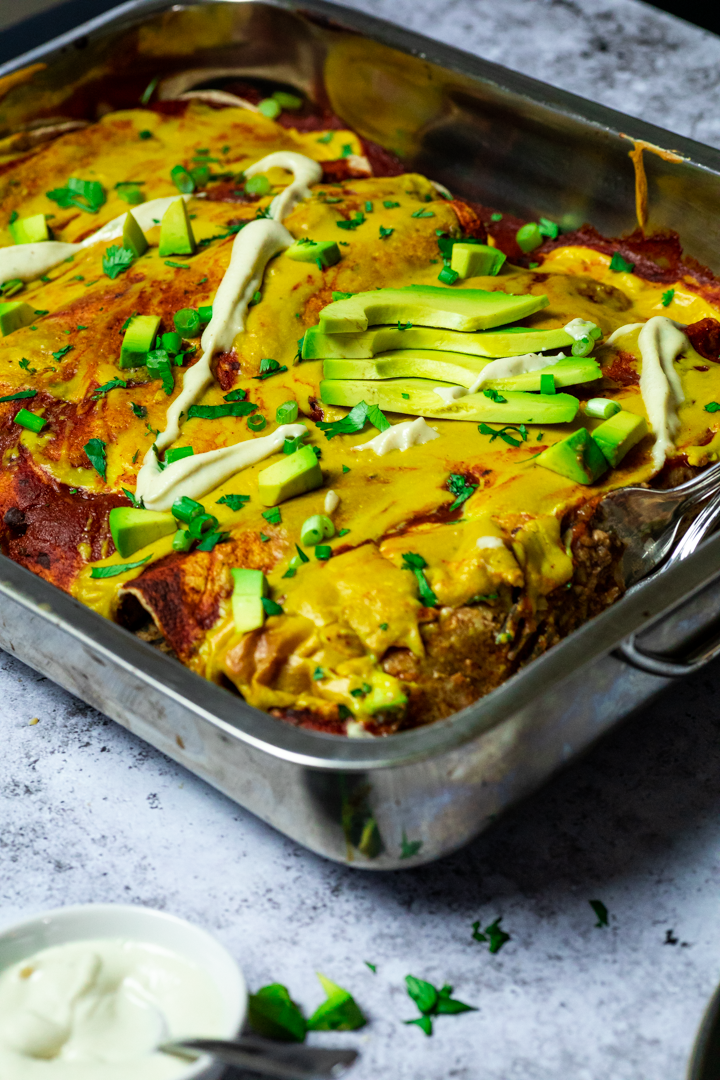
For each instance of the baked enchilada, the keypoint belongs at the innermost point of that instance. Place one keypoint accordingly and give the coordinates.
(330, 435)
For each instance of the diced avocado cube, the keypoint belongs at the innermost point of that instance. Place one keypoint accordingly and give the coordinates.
(133, 237)
(326, 252)
(513, 341)
(619, 434)
(138, 340)
(428, 305)
(176, 235)
(132, 529)
(13, 315)
(417, 397)
(249, 582)
(30, 230)
(294, 475)
(476, 260)
(578, 457)
(249, 587)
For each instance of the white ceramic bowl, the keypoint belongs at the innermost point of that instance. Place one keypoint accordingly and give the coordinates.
(83, 922)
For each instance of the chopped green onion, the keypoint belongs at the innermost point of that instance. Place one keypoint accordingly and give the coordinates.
(316, 528)
(187, 322)
(186, 509)
(448, 276)
(323, 552)
(547, 383)
(256, 422)
(287, 101)
(529, 237)
(258, 185)
(602, 408)
(30, 420)
(182, 179)
(270, 108)
(287, 413)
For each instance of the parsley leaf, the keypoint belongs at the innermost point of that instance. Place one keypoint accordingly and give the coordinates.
(384, 233)
(117, 260)
(495, 396)
(235, 502)
(112, 385)
(269, 367)
(373, 967)
(620, 265)
(355, 421)
(139, 410)
(460, 488)
(601, 911)
(409, 847)
(119, 568)
(62, 352)
(416, 563)
(667, 298)
(494, 935)
(159, 366)
(502, 433)
(95, 450)
(357, 219)
(269, 606)
(87, 195)
(274, 1014)
(25, 365)
(273, 516)
(339, 1012)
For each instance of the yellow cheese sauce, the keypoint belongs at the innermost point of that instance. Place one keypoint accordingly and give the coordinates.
(340, 615)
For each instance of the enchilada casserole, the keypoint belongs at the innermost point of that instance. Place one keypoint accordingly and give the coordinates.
(330, 435)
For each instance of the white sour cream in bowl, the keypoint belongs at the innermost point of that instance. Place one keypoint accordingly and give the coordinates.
(89, 993)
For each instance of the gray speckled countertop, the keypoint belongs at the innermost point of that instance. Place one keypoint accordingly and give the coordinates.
(89, 813)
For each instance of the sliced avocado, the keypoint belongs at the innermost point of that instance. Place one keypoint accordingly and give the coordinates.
(294, 475)
(176, 235)
(13, 315)
(514, 341)
(133, 237)
(417, 397)
(476, 260)
(30, 230)
(133, 529)
(428, 305)
(619, 434)
(458, 369)
(138, 340)
(323, 252)
(249, 587)
(578, 457)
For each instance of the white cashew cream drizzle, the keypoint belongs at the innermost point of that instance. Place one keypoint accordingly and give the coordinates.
(252, 249)
(503, 368)
(26, 262)
(400, 437)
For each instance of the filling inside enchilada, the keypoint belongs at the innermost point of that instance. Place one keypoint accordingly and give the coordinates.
(328, 434)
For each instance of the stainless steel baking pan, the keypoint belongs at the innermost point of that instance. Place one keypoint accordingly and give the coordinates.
(489, 134)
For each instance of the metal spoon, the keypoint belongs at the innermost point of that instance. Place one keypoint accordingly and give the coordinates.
(649, 522)
(285, 1062)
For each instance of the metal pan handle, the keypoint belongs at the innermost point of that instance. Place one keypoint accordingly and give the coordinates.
(656, 664)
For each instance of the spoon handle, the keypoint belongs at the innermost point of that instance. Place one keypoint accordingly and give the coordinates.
(294, 1062)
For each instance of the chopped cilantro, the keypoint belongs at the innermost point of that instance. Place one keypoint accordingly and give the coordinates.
(343, 532)
(548, 228)
(373, 967)
(18, 396)
(496, 217)
(342, 295)
(117, 260)
(25, 365)
(137, 503)
(318, 674)
(460, 488)
(495, 396)
(178, 453)
(384, 626)
(139, 410)
(712, 406)
(145, 134)
(273, 515)
(407, 396)
(368, 208)
(620, 265)
(423, 213)
(62, 352)
(159, 366)
(270, 607)
(212, 538)
(601, 911)
(384, 233)
(667, 298)
(493, 934)
(257, 297)
(119, 568)
(432, 1002)
(87, 195)
(177, 265)
(326, 138)
(355, 421)
(409, 847)
(389, 204)
(357, 219)
(344, 713)
(416, 563)
(269, 367)
(96, 453)
(235, 502)
(346, 150)
(112, 385)
(502, 433)
(41, 311)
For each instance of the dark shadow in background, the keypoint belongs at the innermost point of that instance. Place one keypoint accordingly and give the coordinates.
(38, 29)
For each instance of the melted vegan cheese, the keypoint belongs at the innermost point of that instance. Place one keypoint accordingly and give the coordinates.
(341, 615)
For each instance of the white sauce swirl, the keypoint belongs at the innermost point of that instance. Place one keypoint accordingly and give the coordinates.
(305, 172)
(660, 342)
(401, 437)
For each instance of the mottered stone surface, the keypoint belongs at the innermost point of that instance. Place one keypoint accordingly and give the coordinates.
(90, 813)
